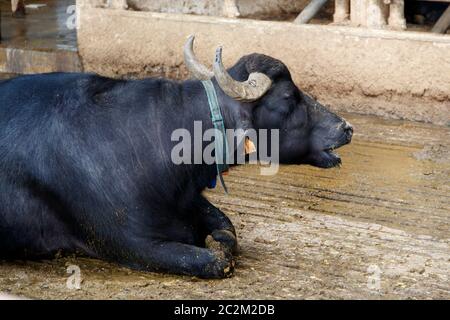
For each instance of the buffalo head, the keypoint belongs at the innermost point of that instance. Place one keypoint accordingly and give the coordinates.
(309, 132)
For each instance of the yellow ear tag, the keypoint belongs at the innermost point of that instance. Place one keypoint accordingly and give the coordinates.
(249, 146)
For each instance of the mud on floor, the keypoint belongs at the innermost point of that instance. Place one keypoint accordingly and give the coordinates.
(376, 228)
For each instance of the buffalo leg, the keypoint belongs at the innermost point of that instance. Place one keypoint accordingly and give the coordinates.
(217, 224)
(179, 258)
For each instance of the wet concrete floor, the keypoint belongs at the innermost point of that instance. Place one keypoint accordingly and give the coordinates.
(43, 41)
(378, 227)
(48, 25)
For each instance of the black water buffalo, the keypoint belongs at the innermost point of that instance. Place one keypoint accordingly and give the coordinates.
(85, 162)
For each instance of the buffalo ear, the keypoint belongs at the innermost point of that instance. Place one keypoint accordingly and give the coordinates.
(249, 146)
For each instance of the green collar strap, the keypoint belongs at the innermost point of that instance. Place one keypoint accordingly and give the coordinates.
(221, 145)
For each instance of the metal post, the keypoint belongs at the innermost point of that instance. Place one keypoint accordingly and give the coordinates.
(310, 11)
(443, 23)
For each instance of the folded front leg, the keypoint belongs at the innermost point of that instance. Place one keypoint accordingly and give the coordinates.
(217, 225)
(179, 258)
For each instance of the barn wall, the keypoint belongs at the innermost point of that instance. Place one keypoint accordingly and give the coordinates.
(387, 73)
(245, 8)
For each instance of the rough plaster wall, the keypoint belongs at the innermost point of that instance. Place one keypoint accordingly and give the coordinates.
(215, 7)
(211, 7)
(246, 8)
(286, 6)
(271, 9)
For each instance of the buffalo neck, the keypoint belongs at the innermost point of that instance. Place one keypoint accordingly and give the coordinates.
(196, 108)
(236, 115)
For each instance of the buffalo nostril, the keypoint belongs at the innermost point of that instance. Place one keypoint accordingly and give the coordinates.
(348, 126)
(348, 129)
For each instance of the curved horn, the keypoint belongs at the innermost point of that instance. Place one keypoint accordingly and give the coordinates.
(198, 70)
(253, 89)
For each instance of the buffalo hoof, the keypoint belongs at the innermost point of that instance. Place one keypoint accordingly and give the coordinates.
(226, 238)
(224, 265)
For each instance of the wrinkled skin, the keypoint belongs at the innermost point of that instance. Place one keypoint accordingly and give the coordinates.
(85, 166)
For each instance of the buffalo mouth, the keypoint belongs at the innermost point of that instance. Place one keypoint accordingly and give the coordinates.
(328, 157)
(332, 158)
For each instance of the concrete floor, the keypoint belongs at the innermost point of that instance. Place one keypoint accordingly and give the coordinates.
(41, 41)
(376, 228)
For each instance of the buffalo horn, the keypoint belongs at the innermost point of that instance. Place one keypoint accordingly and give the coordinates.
(198, 70)
(251, 90)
